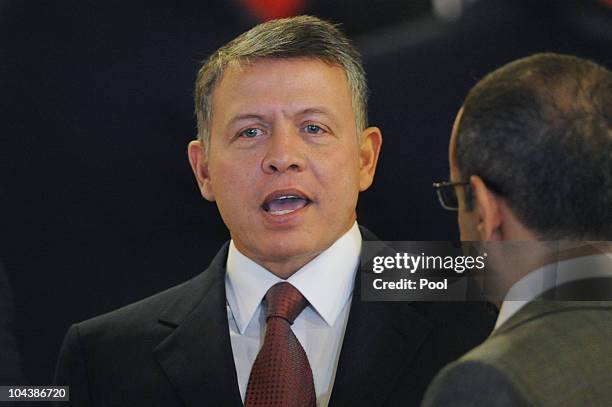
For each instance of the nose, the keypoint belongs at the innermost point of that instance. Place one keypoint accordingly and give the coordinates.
(285, 152)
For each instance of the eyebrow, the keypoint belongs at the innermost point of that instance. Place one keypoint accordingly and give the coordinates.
(310, 110)
(247, 116)
(318, 110)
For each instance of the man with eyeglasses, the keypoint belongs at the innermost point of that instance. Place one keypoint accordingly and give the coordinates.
(531, 178)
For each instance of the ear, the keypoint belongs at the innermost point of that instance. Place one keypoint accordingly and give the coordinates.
(198, 158)
(369, 149)
(488, 210)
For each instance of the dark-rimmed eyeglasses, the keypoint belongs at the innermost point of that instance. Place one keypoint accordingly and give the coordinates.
(447, 193)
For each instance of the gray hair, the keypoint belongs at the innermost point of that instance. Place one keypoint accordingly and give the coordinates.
(296, 37)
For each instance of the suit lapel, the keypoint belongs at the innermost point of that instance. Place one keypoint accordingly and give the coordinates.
(380, 341)
(197, 357)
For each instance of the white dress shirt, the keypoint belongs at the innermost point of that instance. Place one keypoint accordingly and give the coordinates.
(551, 275)
(326, 282)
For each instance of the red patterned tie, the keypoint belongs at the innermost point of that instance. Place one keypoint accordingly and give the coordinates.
(281, 374)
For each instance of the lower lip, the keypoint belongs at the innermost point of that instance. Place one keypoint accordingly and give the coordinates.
(287, 218)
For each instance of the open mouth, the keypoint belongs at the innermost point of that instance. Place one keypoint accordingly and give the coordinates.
(282, 203)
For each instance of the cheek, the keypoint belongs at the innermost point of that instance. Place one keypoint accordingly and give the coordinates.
(461, 224)
(232, 183)
(338, 163)
(466, 227)
(338, 177)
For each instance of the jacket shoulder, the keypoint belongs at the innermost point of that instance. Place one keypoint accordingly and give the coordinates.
(556, 358)
(168, 307)
(473, 383)
(144, 316)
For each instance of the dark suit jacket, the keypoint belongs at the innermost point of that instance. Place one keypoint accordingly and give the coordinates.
(550, 353)
(173, 349)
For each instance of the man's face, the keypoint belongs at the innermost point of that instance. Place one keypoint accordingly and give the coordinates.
(466, 218)
(284, 162)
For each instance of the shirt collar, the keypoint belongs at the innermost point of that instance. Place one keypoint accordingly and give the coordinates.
(549, 276)
(326, 281)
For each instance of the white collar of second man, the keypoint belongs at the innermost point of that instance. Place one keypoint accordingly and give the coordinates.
(326, 281)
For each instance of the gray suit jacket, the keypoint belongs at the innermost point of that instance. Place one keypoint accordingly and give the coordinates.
(550, 353)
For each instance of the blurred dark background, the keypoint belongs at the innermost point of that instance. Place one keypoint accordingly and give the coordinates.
(98, 207)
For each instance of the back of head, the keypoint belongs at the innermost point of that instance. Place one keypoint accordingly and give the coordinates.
(539, 133)
(295, 37)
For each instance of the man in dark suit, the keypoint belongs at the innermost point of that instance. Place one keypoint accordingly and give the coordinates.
(531, 176)
(283, 149)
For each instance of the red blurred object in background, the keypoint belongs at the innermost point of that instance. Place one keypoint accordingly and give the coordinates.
(606, 3)
(265, 10)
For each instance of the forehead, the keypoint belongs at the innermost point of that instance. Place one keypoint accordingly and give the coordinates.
(294, 83)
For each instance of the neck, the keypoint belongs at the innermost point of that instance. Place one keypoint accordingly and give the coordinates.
(285, 268)
(510, 261)
(534, 255)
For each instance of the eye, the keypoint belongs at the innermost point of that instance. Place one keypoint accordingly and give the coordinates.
(250, 132)
(313, 129)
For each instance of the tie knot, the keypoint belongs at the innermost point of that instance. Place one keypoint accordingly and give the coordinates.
(285, 301)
